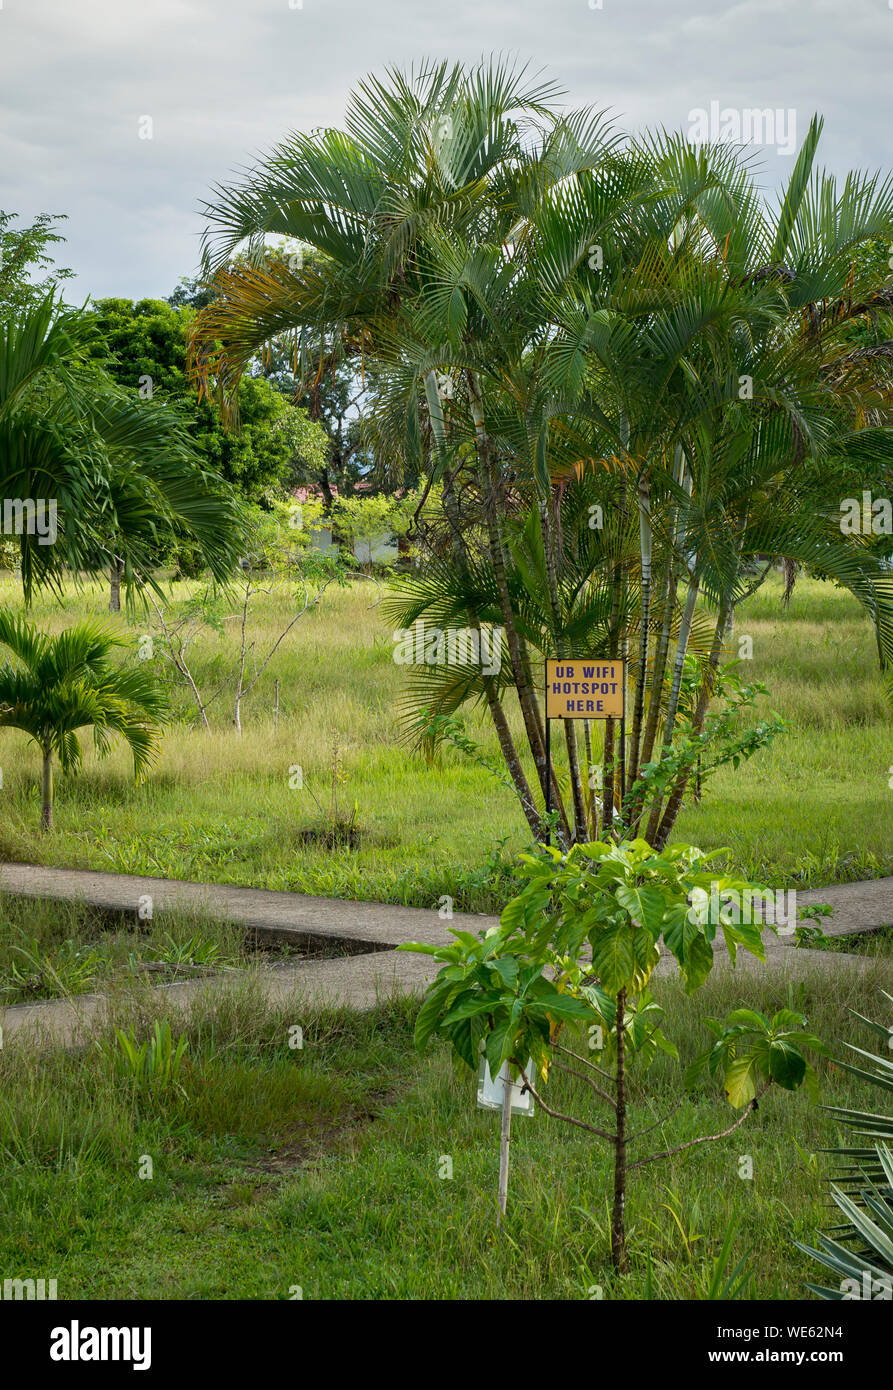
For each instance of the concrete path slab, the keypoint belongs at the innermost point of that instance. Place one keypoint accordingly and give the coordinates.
(857, 907)
(372, 970)
(295, 917)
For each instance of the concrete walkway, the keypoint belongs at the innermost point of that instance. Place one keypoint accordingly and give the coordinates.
(368, 932)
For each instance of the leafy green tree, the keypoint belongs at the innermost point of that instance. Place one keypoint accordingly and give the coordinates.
(144, 349)
(542, 308)
(55, 686)
(571, 959)
(24, 251)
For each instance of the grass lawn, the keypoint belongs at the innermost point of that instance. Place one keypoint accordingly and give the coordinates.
(814, 809)
(320, 1169)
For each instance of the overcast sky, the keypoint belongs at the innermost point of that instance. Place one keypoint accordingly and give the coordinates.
(223, 80)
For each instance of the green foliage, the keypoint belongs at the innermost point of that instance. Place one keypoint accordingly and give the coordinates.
(119, 472)
(155, 1063)
(57, 685)
(25, 251)
(750, 1048)
(862, 1253)
(585, 930)
(144, 346)
(44, 975)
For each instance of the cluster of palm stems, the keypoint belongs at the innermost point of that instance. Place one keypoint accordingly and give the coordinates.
(632, 385)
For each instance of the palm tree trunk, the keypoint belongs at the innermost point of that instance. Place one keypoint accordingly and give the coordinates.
(494, 704)
(116, 574)
(684, 477)
(645, 547)
(688, 614)
(46, 790)
(570, 732)
(613, 642)
(590, 769)
(513, 762)
(661, 653)
(492, 498)
(674, 802)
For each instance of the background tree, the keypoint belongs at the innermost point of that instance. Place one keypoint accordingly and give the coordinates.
(24, 253)
(119, 473)
(56, 686)
(143, 347)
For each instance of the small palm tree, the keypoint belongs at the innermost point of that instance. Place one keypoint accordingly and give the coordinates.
(59, 685)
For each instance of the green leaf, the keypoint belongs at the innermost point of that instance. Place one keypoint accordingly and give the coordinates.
(740, 1080)
(614, 958)
(644, 905)
(787, 1066)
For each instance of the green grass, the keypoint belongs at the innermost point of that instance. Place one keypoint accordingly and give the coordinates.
(53, 949)
(877, 943)
(319, 1168)
(813, 809)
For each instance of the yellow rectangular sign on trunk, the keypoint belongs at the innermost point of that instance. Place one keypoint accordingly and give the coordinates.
(584, 688)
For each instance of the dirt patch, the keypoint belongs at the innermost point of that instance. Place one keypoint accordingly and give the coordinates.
(324, 1137)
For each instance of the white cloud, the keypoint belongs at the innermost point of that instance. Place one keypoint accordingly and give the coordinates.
(225, 79)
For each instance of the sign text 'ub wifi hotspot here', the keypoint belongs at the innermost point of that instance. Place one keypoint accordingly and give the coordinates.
(584, 689)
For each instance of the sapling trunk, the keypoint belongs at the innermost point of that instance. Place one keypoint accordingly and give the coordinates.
(46, 791)
(619, 1258)
(505, 1141)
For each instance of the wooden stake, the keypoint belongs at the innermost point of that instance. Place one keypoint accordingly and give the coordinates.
(504, 1140)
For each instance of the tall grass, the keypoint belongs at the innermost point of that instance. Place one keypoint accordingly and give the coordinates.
(325, 1167)
(813, 808)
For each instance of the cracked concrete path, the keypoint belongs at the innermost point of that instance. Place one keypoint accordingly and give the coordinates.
(373, 969)
(295, 917)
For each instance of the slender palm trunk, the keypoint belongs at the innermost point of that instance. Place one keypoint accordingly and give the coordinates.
(688, 614)
(674, 803)
(116, 574)
(684, 477)
(661, 653)
(46, 790)
(570, 731)
(557, 802)
(492, 499)
(645, 547)
(635, 806)
(512, 761)
(494, 704)
(590, 769)
(608, 772)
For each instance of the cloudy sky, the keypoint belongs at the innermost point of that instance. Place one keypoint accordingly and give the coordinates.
(223, 80)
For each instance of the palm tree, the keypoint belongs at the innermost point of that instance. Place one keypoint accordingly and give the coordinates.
(454, 224)
(120, 472)
(56, 686)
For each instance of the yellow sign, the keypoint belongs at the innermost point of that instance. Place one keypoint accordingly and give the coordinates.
(584, 689)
